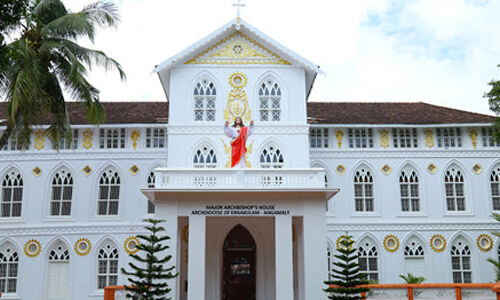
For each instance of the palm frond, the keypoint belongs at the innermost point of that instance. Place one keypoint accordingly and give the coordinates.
(48, 10)
(69, 26)
(103, 13)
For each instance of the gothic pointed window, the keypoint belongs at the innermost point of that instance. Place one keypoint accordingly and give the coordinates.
(461, 262)
(495, 187)
(409, 191)
(151, 185)
(109, 193)
(205, 157)
(12, 195)
(9, 265)
(107, 266)
(363, 190)
(368, 260)
(271, 157)
(62, 193)
(270, 100)
(204, 101)
(454, 187)
(414, 255)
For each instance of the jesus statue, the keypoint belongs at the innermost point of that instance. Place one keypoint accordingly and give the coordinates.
(239, 134)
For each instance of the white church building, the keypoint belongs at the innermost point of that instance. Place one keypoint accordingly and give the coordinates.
(415, 185)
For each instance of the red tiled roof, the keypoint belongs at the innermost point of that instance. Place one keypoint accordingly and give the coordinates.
(318, 113)
(389, 113)
(116, 112)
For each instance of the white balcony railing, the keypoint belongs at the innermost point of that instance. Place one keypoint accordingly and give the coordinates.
(183, 178)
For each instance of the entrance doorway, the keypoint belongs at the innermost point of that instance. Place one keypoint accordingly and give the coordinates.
(239, 265)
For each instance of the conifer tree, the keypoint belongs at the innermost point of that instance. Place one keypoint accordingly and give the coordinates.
(149, 277)
(346, 278)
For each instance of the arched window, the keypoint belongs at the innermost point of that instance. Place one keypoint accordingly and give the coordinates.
(151, 185)
(205, 157)
(62, 193)
(368, 260)
(58, 273)
(495, 187)
(363, 190)
(454, 186)
(271, 157)
(461, 262)
(109, 193)
(204, 101)
(9, 264)
(409, 191)
(414, 258)
(12, 194)
(107, 266)
(270, 100)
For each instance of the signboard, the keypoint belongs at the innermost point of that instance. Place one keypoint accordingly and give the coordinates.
(240, 210)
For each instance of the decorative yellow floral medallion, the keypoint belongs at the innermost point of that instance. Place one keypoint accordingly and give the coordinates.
(134, 169)
(431, 168)
(438, 243)
(87, 170)
(237, 80)
(340, 169)
(83, 247)
(32, 248)
(477, 169)
(339, 240)
(386, 169)
(391, 243)
(130, 245)
(37, 171)
(484, 242)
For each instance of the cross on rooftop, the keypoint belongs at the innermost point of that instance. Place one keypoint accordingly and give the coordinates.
(238, 6)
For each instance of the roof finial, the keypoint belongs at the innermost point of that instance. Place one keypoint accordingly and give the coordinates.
(238, 6)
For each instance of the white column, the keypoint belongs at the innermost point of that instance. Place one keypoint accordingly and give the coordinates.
(196, 257)
(284, 257)
(168, 212)
(315, 261)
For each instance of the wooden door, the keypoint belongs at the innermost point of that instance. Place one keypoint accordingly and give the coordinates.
(239, 265)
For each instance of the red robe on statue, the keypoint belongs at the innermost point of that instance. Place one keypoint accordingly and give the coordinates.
(238, 147)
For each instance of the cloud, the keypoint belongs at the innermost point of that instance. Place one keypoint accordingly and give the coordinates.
(442, 52)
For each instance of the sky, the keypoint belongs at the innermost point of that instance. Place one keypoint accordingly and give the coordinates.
(442, 52)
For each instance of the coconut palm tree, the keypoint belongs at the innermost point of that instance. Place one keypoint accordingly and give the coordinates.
(45, 59)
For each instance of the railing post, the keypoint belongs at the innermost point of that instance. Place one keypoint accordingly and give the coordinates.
(363, 295)
(410, 293)
(458, 293)
(109, 293)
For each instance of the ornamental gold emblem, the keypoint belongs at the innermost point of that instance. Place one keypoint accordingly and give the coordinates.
(130, 245)
(438, 243)
(237, 100)
(32, 248)
(83, 247)
(339, 241)
(484, 242)
(391, 243)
